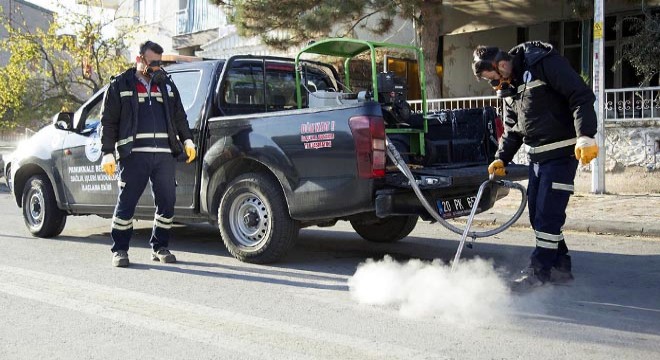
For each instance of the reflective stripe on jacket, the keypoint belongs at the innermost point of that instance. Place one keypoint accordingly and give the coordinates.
(119, 116)
(552, 106)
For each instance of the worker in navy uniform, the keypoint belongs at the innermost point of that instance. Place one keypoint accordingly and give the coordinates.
(550, 110)
(144, 129)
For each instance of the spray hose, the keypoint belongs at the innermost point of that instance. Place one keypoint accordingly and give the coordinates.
(403, 167)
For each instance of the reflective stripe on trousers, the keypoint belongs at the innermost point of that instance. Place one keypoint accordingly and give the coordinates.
(135, 171)
(548, 191)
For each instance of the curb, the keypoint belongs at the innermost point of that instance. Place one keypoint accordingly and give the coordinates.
(626, 228)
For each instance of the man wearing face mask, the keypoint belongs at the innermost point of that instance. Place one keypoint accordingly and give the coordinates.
(144, 124)
(550, 110)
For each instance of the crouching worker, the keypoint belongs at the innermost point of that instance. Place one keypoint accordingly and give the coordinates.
(144, 123)
(550, 109)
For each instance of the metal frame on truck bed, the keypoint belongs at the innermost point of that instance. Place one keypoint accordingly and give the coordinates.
(348, 49)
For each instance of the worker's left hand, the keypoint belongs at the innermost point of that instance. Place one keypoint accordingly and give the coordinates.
(586, 149)
(190, 150)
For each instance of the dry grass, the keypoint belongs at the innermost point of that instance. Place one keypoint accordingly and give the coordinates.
(631, 180)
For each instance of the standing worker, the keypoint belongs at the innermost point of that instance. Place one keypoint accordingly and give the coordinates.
(144, 121)
(550, 109)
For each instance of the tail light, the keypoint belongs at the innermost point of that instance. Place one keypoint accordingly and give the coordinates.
(369, 136)
(499, 127)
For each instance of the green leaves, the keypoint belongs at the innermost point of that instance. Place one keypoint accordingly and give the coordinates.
(49, 71)
(641, 49)
(283, 23)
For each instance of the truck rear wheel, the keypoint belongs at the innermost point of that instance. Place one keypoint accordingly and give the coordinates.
(387, 230)
(254, 220)
(42, 216)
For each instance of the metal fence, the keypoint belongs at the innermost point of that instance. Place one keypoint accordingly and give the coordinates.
(458, 103)
(632, 104)
(621, 105)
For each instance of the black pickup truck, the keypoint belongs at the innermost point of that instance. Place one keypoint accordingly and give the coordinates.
(273, 158)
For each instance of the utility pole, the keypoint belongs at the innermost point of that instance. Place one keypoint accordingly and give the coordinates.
(598, 165)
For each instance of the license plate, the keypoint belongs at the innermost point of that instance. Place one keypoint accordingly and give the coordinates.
(456, 207)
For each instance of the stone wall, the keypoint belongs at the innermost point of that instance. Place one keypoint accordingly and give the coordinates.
(626, 144)
(633, 145)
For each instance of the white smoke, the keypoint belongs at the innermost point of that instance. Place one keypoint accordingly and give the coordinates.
(474, 294)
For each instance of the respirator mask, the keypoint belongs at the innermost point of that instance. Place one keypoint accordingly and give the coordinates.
(487, 59)
(158, 76)
(503, 87)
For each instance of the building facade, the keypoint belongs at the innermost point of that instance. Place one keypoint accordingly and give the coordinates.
(505, 24)
(180, 26)
(23, 13)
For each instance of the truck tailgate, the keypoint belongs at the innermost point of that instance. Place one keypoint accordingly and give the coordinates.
(452, 190)
(457, 176)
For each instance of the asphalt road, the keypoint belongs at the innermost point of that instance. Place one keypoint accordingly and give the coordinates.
(61, 299)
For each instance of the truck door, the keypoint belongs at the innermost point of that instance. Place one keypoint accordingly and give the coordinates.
(193, 85)
(88, 188)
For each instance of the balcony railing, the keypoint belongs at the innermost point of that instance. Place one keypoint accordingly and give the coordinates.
(200, 17)
(629, 104)
(458, 103)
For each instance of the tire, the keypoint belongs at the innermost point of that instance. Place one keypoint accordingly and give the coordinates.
(40, 212)
(387, 230)
(254, 220)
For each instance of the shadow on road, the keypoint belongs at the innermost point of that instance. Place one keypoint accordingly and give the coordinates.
(262, 277)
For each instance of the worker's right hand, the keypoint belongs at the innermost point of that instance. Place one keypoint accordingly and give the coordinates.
(108, 164)
(497, 168)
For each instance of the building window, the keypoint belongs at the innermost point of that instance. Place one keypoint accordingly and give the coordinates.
(522, 35)
(566, 37)
(147, 11)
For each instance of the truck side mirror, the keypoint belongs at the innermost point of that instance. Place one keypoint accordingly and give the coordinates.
(63, 121)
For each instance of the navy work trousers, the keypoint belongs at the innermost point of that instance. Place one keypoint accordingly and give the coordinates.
(551, 184)
(134, 172)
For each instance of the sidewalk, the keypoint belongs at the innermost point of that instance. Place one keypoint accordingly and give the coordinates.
(615, 214)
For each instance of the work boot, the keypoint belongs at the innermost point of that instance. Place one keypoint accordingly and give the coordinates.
(561, 271)
(163, 255)
(529, 279)
(120, 258)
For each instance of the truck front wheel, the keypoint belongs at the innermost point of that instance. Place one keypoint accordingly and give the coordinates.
(387, 230)
(42, 216)
(254, 220)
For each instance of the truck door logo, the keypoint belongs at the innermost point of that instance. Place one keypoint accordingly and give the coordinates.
(93, 145)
